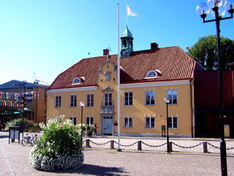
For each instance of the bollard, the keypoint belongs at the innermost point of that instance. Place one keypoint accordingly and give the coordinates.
(88, 143)
(170, 146)
(205, 149)
(139, 145)
(112, 144)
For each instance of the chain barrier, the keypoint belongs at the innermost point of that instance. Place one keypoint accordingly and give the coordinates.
(213, 145)
(99, 143)
(187, 147)
(153, 145)
(128, 145)
(231, 148)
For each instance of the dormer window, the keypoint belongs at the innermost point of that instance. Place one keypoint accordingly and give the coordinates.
(151, 74)
(76, 81)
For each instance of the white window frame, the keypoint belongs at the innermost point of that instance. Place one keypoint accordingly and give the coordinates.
(74, 120)
(58, 101)
(128, 124)
(73, 100)
(171, 95)
(76, 81)
(108, 101)
(150, 98)
(89, 120)
(90, 100)
(129, 99)
(150, 123)
(172, 126)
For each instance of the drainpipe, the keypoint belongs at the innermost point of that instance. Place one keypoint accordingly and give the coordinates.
(192, 103)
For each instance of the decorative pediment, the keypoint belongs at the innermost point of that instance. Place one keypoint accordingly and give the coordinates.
(107, 89)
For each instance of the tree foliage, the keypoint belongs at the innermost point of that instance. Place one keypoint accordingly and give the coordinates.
(205, 52)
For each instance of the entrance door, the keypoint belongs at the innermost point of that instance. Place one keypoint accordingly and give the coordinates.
(107, 125)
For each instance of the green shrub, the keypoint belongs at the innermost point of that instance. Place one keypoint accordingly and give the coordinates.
(17, 122)
(60, 147)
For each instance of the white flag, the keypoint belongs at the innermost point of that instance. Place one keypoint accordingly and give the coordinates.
(130, 12)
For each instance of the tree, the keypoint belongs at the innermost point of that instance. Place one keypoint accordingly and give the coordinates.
(205, 52)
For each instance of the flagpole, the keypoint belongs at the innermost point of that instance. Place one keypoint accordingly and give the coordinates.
(126, 14)
(118, 86)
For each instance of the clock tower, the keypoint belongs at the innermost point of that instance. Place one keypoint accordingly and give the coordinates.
(126, 43)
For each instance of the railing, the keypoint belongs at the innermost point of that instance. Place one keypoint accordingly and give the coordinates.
(140, 143)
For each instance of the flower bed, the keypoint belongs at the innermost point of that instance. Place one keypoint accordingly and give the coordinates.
(59, 147)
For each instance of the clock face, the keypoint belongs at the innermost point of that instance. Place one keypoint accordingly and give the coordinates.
(124, 52)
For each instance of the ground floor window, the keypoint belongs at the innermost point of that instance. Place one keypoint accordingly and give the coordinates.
(73, 119)
(149, 122)
(172, 122)
(128, 122)
(89, 120)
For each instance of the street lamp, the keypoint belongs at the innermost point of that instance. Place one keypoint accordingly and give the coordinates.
(219, 10)
(81, 117)
(166, 100)
(82, 104)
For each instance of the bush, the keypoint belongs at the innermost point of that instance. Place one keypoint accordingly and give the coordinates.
(17, 122)
(60, 147)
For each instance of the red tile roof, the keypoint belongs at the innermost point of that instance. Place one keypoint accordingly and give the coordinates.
(173, 63)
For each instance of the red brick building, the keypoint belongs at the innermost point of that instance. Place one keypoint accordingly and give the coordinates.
(206, 87)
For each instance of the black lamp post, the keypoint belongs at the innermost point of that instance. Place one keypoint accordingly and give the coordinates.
(166, 100)
(203, 9)
(81, 119)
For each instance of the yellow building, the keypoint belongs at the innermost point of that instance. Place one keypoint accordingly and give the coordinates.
(146, 78)
(22, 99)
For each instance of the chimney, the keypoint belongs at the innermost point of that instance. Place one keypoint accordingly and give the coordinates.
(105, 52)
(154, 46)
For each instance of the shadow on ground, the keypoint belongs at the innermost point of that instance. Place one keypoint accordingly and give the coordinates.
(4, 136)
(88, 169)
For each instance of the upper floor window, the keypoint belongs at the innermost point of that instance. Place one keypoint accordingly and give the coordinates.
(76, 80)
(149, 98)
(172, 122)
(128, 98)
(149, 122)
(172, 96)
(89, 101)
(73, 101)
(108, 99)
(58, 101)
(151, 74)
(107, 76)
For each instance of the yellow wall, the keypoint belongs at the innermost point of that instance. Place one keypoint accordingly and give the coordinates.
(138, 111)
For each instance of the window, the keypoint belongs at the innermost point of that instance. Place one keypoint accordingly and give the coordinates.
(76, 80)
(73, 101)
(107, 76)
(58, 101)
(73, 119)
(149, 98)
(128, 122)
(108, 99)
(89, 100)
(128, 98)
(172, 96)
(149, 122)
(89, 120)
(151, 73)
(172, 122)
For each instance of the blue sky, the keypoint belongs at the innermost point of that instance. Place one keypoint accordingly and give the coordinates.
(46, 37)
